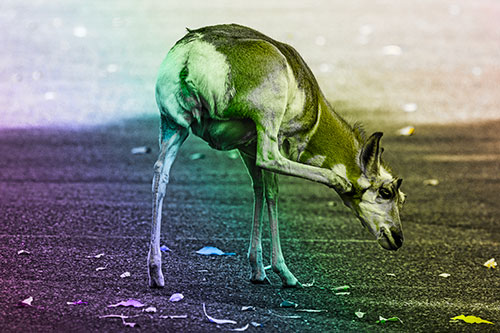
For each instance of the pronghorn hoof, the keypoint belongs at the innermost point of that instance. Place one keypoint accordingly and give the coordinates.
(156, 279)
(296, 285)
(265, 280)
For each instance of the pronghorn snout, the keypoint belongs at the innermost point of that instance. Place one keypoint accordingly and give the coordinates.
(390, 238)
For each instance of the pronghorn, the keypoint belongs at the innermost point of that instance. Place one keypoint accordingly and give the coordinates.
(239, 89)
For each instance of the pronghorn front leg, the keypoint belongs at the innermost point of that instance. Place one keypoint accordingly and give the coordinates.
(258, 274)
(171, 140)
(270, 158)
(271, 190)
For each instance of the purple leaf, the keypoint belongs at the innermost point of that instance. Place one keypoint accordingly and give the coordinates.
(131, 302)
(164, 248)
(176, 297)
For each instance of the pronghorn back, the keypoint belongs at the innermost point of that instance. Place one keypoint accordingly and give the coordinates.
(228, 72)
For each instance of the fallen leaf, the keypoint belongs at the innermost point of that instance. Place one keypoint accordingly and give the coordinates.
(391, 274)
(288, 304)
(393, 50)
(410, 107)
(23, 252)
(76, 302)
(445, 275)
(240, 329)
(267, 267)
(382, 320)
(164, 248)
(306, 285)
(131, 302)
(341, 288)
(248, 308)
(140, 150)
(96, 256)
(255, 324)
(124, 275)
(26, 302)
(150, 309)
(100, 269)
(122, 317)
(210, 250)
(343, 293)
(491, 263)
(217, 321)
(431, 182)
(196, 156)
(310, 310)
(471, 320)
(406, 131)
(176, 297)
(174, 317)
(360, 314)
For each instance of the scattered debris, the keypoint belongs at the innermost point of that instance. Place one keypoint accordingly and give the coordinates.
(174, 316)
(310, 310)
(26, 302)
(77, 302)
(445, 275)
(410, 107)
(97, 256)
(391, 274)
(491, 263)
(470, 320)
(150, 309)
(248, 308)
(100, 268)
(80, 31)
(476, 71)
(122, 317)
(176, 297)
(131, 302)
(49, 95)
(112, 68)
(240, 329)
(210, 250)
(255, 324)
(310, 284)
(196, 156)
(140, 150)
(288, 304)
(24, 252)
(217, 321)
(341, 288)
(320, 40)
(266, 268)
(392, 50)
(431, 182)
(165, 248)
(343, 293)
(382, 320)
(406, 131)
(286, 317)
(359, 314)
(124, 275)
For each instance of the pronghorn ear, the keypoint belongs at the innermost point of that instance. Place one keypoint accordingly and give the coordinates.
(399, 181)
(370, 155)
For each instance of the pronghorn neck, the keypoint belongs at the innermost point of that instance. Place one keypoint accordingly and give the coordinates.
(334, 145)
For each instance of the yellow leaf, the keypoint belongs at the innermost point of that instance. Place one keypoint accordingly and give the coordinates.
(472, 319)
(491, 263)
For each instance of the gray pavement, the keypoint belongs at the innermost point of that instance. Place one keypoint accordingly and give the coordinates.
(70, 188)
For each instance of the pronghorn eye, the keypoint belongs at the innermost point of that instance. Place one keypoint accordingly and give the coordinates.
(385, 193)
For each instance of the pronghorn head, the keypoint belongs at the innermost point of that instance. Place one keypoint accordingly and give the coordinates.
(376, 199)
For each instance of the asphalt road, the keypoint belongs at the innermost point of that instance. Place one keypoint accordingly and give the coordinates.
(69, 195)
(70, 188)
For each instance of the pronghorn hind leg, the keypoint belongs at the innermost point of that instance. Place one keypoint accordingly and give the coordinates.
(171, 140)
(271, 190)
(258, 274)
